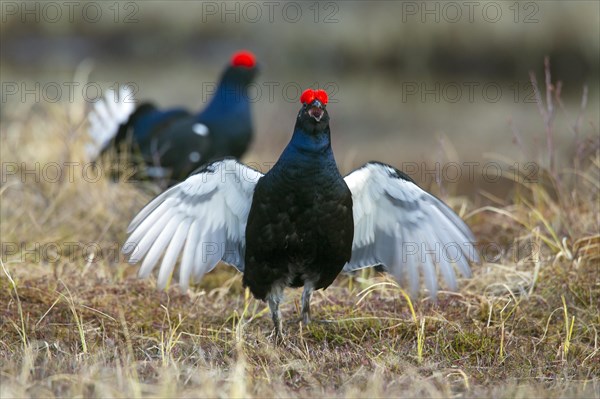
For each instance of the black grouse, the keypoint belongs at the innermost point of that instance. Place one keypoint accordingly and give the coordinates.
(172, 143)
(301, 223)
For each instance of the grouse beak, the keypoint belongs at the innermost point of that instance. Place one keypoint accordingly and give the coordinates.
(315, 110)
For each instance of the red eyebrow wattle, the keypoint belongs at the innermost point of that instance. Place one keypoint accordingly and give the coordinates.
(243, 58)
(309, 95)
(322, 96)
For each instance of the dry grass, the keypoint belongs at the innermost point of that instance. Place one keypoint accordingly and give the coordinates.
(76, 321)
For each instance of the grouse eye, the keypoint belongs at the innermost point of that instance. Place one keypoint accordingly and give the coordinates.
(243, 58)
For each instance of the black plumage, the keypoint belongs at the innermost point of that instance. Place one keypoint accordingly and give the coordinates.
(300, 226)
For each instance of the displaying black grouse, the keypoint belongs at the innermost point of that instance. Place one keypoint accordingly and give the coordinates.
(301, 223)
(172, 143)
(300, 228)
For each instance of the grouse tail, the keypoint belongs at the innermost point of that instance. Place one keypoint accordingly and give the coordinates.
(106, 118)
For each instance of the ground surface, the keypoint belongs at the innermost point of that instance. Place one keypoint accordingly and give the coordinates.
(76, 321)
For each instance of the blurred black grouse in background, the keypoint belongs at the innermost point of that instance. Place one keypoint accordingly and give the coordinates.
(172, 143)
(301, 224)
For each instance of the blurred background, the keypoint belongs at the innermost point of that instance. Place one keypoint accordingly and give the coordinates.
(410, 82)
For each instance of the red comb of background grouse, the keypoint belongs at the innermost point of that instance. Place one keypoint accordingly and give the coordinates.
(243, 58)
(302, 223)
(170, 144)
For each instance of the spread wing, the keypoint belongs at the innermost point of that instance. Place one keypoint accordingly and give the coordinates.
(203, 219)
(407, 230)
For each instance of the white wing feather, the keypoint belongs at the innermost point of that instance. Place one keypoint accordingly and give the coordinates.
(106, 116)
(399, 225)
(203, 219)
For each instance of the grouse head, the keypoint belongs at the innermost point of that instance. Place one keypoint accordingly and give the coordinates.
(243, 67)
(313, 116)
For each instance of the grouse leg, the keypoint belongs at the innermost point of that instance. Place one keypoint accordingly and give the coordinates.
(274, 298)
(306, 294)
